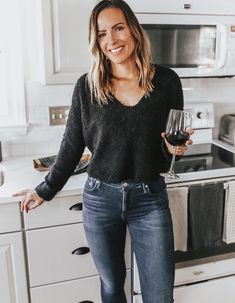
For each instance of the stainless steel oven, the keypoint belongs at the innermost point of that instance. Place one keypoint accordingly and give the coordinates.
(207, 269)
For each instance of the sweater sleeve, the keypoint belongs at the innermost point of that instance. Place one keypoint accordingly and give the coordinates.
(176, 101)
(70, 152)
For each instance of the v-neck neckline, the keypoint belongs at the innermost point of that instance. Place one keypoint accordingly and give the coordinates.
(140, 101)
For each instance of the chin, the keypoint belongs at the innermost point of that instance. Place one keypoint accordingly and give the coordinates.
(120, 60)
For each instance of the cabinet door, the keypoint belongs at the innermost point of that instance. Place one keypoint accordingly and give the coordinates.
(209, 7)
(10, 218)
(13, 287)
(65, 39)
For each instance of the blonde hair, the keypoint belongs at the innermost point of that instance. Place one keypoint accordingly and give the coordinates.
(99, 76)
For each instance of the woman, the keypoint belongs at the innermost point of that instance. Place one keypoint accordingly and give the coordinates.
(119, 112)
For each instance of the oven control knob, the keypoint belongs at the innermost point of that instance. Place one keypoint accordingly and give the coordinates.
(202, 115)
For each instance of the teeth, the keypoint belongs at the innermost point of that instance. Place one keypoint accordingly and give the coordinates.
(116, 49)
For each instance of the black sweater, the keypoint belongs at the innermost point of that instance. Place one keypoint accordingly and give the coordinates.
(125, 141)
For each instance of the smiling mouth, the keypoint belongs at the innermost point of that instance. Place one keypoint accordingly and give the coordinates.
(116, 50)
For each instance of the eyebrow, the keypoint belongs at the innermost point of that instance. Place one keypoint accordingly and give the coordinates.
(103, 30)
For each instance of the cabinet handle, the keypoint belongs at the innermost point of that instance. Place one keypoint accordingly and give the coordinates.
(81, 251)
(77, 206)
(86, 301)
(187, 6)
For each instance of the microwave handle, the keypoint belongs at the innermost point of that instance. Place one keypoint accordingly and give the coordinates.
(221, 45)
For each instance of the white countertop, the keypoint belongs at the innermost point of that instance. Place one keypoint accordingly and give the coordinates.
(20, 174)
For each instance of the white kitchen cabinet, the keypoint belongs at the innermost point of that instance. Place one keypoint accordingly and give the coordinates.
(10, 219)
(209, 291)
(61, 210)
(209, 7)
(50, 256)
(65, 39)
(54, 233)
(216, 291)
(13, 285)
(80, 290)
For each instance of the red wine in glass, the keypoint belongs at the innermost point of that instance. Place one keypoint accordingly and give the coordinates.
(177, 138)
(178, 122)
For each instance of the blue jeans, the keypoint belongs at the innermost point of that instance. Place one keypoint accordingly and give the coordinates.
(107, 209)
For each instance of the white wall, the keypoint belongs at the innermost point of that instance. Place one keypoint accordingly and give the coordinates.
(42, 138)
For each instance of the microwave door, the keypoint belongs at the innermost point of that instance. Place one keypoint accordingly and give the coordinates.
(183, 46)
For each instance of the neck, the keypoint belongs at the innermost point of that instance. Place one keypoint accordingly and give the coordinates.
(126, 71)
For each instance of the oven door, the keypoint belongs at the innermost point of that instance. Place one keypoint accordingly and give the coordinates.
(204, 264)
(194, 46)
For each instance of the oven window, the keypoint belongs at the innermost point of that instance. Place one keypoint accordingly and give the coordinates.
(183, 46)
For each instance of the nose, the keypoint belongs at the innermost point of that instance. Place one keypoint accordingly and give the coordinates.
(111, 37)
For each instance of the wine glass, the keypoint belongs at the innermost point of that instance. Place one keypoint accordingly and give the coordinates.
(178, 122)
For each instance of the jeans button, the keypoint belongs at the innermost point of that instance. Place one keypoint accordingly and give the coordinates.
(125, 184)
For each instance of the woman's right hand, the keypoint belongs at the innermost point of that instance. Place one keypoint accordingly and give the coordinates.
(30, 200)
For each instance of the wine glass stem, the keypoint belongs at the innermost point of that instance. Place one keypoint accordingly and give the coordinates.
(173, 159)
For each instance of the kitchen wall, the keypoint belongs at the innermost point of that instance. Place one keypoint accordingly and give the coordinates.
(42, 138)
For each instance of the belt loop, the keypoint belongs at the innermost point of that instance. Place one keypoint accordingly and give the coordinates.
(145, 188)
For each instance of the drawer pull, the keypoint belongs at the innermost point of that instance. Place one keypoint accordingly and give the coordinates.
(86, 302)
(198, 272)
(187, 6)
(77, 206)
(81, 251)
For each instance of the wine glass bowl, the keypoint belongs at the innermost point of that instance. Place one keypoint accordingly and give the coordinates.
(177, 138)
(178, 122)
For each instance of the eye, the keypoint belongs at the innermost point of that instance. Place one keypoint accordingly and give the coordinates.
(101, 35)
(119, 28)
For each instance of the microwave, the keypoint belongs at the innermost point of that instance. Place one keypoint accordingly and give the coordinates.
(192, 45)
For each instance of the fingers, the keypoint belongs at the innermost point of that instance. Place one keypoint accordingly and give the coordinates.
(27, 205)
(30, 201)
(21, 193)
(180, 150)
(189, 142)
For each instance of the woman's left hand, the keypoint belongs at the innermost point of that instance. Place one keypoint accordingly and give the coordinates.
(180, 150)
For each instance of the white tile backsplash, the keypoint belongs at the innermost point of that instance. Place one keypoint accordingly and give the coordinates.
(41, 138)
(44, 139)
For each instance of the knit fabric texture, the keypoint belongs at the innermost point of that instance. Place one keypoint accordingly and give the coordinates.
(125, 141)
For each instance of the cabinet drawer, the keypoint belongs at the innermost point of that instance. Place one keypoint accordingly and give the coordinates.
(50, 254)
(79, 291)
(10, 218)
(201, 272)
(216, 291)
(61, 210)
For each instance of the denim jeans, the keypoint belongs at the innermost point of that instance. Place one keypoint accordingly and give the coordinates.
(108, 208)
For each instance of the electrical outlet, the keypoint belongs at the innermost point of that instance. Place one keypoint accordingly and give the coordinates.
(58, 115)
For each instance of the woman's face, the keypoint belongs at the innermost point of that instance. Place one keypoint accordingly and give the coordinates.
(114, 36)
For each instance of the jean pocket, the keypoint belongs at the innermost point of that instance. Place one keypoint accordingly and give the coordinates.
(91, 184)
(155, 188)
